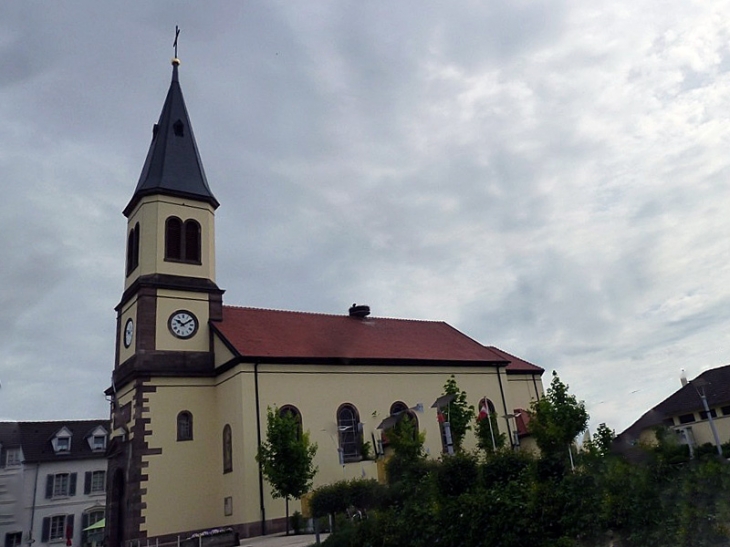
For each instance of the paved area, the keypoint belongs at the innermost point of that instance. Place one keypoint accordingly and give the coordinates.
(281, 540)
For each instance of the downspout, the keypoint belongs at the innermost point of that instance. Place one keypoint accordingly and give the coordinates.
(32, 509)
(506, 413)
(258, 437)
(537, 391)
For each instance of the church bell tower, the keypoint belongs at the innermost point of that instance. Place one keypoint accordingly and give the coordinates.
(170, 292)
(169, 298)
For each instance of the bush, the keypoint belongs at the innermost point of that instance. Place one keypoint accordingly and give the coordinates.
(297, 522)
(456, 474)
(336, 498)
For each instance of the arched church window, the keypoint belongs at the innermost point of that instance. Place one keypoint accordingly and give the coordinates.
(487, 422)
(348, 426)
(293, 412)
(227, 449)
(173, 239)
(182, 240)
(400, 408)
(192, 241)
(185, 426)
(133, 249)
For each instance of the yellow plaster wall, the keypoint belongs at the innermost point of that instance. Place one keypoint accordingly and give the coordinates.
(169, 302)
(236, 406)
(222, 353)
(520, 391)
(129, 312)
(319, 391)
(184, 491)
(188, 487)
(703, 433)
(151, 213)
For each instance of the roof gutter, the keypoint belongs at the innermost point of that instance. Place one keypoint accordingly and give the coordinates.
(258, 438)
(31, 540)
(504, 406)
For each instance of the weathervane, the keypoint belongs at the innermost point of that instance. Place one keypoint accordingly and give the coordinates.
(174, 44)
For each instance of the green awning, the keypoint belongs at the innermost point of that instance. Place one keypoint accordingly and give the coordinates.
(96, 526)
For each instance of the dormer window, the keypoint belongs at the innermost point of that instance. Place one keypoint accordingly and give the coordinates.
(13, 457)
(62, 441)
(97, 439)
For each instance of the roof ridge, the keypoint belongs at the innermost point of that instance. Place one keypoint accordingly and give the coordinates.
(324, 314)
(88, 420)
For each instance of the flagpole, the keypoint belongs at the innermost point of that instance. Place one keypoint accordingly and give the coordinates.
(491, 429)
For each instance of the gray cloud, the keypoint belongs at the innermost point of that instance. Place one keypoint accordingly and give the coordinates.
(548, 177)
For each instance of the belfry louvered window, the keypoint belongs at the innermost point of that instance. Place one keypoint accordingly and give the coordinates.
(133, 249)
(182, 240)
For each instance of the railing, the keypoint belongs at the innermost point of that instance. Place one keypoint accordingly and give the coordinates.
(224, 539)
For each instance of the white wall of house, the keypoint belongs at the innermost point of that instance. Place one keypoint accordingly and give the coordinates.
(69, 495)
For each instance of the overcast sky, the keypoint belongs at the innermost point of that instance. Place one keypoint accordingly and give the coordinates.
(548, 177)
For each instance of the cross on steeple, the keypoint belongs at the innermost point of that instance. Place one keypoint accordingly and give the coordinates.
(174, 44)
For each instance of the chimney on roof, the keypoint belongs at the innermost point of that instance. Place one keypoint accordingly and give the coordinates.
(683, 378)
(359, 311)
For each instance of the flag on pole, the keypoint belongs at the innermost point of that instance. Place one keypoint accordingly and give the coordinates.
(483, 412)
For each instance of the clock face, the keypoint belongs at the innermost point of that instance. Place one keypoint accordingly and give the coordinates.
(128, 333)
(183, 324)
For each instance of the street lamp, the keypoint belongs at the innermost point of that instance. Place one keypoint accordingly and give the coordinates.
(699, 385)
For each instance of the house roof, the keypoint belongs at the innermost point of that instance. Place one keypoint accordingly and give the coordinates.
(272, 335)
(173, 165)
(35, 439)
(9, 435)
(517, 365)
(684, 401)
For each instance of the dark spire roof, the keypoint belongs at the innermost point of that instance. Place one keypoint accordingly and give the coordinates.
(173, 166)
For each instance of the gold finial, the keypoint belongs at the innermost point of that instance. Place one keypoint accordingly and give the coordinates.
(175, 61)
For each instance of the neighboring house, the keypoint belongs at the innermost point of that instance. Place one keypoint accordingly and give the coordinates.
(53, 483)
(193, 378)
(684, 413)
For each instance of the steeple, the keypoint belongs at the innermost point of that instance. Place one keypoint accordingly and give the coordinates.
(173, 166)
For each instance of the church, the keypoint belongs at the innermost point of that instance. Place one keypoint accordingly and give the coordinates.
(193, 378)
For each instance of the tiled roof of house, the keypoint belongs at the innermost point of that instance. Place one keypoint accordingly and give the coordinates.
(517, 365)
(273, 334)
(35, 438)
(684, 401)
(9, 434)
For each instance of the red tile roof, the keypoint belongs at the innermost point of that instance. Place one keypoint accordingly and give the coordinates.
(517, 365)
(274, 334)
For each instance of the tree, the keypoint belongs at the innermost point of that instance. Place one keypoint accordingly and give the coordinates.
(557, 419)
(286, 457)
(407, 444)
(459, 413)
(489, 438)
(600, 445)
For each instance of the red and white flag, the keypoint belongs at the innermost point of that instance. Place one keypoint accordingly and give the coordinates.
(483, 413)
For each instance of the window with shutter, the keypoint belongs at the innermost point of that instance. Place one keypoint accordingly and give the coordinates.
(46, 529)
